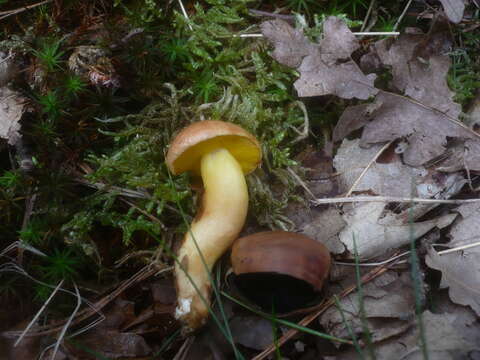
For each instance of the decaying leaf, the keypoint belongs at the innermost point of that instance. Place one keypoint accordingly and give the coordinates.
(108, 340)
(326, 68)
(252, 331)
(324, 226)
(453, 9)
(12, 106)
(391, 178)
(388, 303)
(448, 336)
(426, 116)
(461, 270)
(376, 230)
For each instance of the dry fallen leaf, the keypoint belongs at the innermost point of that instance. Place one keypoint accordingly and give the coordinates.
(107, 339)
(376, 230)
(12, 106)
(391, 178)
(448, 336)
(252, 331)
(426, 116)
(326, 68)
(461, 270)
(388, 303)
(453, 9)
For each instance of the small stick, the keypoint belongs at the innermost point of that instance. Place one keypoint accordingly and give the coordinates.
(402, 15)
(360, 33)
(5, 14)
(459, 248)
(37, 315)
(184, 12)
(352, 199)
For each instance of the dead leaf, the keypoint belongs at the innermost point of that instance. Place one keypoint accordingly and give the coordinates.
(107, 339)
(252, 331)
(426, 116)
(392, 178)
(453, 9)
(324, 227)
(12, 106)
(8, 68)
(447, 338)
(376, 230)
(461, 270)
(326, 68)
(388, 304)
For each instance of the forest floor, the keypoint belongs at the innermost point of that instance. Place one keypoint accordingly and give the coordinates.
(368, 117)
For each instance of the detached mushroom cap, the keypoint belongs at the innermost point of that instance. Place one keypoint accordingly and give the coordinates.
(282, 252)
(203, 137)
(280, 269)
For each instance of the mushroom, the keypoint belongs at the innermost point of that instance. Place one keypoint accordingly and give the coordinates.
(221, 153)
(282, 269)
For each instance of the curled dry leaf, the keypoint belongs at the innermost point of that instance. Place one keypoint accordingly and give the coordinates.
(448, 336)
(12, 106)
(390, 178)
(453, 9)
(461, 270)
(389, 297)
(377, 231)
(252, 331)
(325, 68)
(426, 116)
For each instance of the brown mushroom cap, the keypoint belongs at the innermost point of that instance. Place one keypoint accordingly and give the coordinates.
(194, 141)
(284, 253)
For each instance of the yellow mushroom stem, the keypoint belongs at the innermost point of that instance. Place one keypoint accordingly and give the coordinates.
(217, 224)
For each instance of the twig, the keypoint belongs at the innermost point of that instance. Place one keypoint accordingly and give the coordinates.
(402, 15)
(7, 13)
(459, 248)
(359, 33)
(369, 11)
(375, 263)
(355, 184)
(184, 12)
(260, 13)
(352, 199)
(141, 275)
(323, 307)
(37, 315)
(301, 182)
(68, 323)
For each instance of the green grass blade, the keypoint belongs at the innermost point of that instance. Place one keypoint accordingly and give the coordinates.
(361, 305)
(356, 344)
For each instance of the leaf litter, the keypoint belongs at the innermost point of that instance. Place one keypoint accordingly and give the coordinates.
(325, 68)
(417, 114)
(431, 152)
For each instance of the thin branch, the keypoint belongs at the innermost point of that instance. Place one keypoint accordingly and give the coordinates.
(459, 248)
(402, 15)
(375, 263)
(7, 13)
(369, 11)
(37, 315)
(352, 199)
(68, 323)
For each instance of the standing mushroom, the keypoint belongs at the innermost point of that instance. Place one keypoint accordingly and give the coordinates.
(221, 153)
